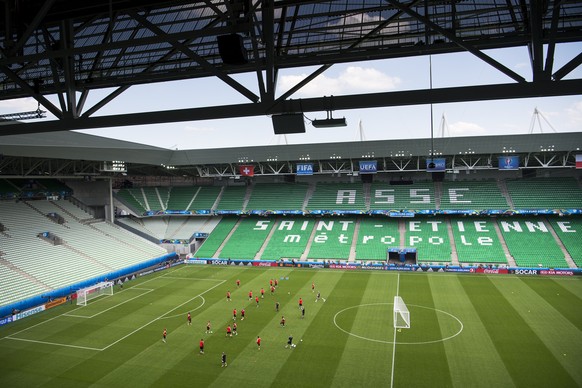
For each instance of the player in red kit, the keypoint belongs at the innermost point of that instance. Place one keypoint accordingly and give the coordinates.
(276, 282)
(234, 327)
(257, 300)
(238, 283)
(259, 342)
(300, 302)
(234, 315)
(228, 331)
(228, 296)
(272, 290)
(312, 287)
(251, 295)
(242, 314)
(201, 346)
(282, 321)
(262, 292)
(189, 318)
(271, 283)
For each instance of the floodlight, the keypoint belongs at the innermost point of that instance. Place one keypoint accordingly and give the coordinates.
(329, 122)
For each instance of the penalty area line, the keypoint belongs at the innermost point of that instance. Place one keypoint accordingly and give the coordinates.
(54, 343)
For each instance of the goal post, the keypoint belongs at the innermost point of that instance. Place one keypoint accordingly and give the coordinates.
(86, 294)
(401, 314)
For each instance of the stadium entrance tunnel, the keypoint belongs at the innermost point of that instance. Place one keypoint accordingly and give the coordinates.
(373, 322)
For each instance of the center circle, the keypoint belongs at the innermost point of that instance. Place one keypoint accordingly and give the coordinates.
(378, 327)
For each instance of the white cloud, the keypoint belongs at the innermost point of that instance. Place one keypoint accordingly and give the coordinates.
(18, 105)
(574, 114)
(463, 128)
(353, 79)
(191, 128)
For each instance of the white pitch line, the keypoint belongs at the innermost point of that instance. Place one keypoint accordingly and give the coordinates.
(187, 278)
(161, 316)
(394, 346)
(148, 290)
(53, 343)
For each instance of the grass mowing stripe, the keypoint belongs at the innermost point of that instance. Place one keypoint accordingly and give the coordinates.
(246, 359)
(371, 319)
(558, 334)
(472, 350)
(526, 357)
(415, 291)
(560, 298)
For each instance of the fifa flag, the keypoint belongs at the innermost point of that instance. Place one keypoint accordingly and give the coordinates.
(304, 168)
(246, 170)
(508, 162)
(578, 161)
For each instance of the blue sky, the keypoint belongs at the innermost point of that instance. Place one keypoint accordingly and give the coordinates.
(463, 119)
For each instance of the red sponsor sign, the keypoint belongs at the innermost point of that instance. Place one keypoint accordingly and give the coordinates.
(264, 264)
(556, 272)
(492, 270)
(55, 302)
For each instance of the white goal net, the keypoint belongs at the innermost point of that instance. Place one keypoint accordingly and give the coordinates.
(401, 314)
(86, 294)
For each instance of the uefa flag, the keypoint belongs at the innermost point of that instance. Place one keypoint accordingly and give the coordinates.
(579, 161)
(246, 170)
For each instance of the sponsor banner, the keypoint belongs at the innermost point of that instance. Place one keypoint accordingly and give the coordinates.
(29, 312)
(218, 262)
(459, 211)
(401, 214)
(146, 272)
(398, 268)
(535, 211)
(316, 265)
(457, 270)
(55, 303)
(578, 161)
(200, 235)
(524, 271)
(503, 271)
(5, 321)
(368, 166)
(195, 261)
(220, 212)
(508, 162)
(557, 272)
(264, 264)
(304, 168)
(246, 170)
(344, 266)
(439, 164)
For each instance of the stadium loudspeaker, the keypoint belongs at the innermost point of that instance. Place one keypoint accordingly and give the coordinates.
(232, 50)
(367, 178)
(288, 123)
(438, 176)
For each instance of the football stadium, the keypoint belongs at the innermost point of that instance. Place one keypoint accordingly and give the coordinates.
(434, 262)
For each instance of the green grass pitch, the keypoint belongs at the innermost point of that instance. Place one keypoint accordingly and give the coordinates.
(466, 331)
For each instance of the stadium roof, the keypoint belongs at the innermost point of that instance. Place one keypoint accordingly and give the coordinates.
(68, 49)
(79, 146)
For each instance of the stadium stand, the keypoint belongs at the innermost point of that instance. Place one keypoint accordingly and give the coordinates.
(430, 238)
(418, 196)
(153, 199)
(248, 238)
(87, 250)
(181, 197)
(133, 198)
(333, 238)
(205, 198)
(282, 196)
(476, 241)
(530, 242)
(474, 195)
(232, 198)
(569, 230)
(289, 239)
(375, 236)
(545, 193)
(154, 226)
(337, 196)
(216, 238)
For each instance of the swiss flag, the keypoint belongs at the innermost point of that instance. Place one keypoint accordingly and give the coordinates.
(246, 170)
(579, 161)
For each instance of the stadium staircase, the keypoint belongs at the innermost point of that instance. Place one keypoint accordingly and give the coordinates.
(227, 238)
(266, 242)
(503, 189)
(438, 192)
(218, 198)
(194, 198)
(402, 230)
(454, 255)
(567, 255)
(309, 243)
(508, 256)
(352, 256)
